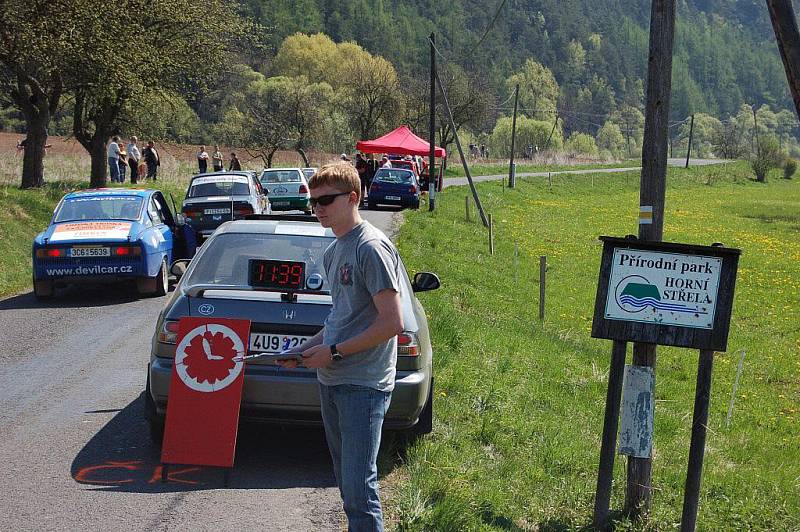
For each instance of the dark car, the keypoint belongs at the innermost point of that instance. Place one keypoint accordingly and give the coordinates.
(394, 186)
(215, 198)
(109, 235)
(221, 281)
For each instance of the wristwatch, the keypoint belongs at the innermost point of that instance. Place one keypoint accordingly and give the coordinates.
(336, 356)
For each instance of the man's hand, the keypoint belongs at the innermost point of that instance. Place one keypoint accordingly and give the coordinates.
(317, 357)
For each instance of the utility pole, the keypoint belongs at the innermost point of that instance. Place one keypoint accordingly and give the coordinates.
(512, 179)
(755, 132)
(784, 23)
(689, 148)
(651, 198)
(432, 130)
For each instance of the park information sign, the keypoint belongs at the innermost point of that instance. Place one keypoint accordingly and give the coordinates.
(665, 293)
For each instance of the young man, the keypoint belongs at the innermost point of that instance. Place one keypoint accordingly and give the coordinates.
(151, 158)
(355, 354)
(113, 158)
(133, 159)
(202, 160)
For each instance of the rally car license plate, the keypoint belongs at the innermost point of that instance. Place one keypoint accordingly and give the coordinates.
(393, 198)
(216, 211)
(274, 343)
(91, 251)
(280, 203)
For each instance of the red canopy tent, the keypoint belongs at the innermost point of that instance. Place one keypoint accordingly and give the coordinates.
(401, 141)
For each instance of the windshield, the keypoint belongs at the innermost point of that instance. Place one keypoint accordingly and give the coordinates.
(390, 175)
(99, 208)
(226, 257)
(202, 188)
(280, 176)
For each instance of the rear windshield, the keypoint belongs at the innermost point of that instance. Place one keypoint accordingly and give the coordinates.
(280, 176)
(218, 188)
(99, 208)
(391, 175)
(225, 258)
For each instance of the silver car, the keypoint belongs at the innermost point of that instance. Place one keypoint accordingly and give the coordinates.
(287, 189)
(221, 282)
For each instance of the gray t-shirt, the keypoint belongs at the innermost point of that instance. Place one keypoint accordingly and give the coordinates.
(359, 265)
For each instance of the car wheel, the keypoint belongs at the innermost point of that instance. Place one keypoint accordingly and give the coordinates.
(154, 286)
(155, 421)
(43, 290)
(425, 423)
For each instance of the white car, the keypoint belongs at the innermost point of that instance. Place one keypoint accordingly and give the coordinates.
(287, 189)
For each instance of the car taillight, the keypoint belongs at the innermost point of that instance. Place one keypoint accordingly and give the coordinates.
(413, 189)
(169, 332)
(192, 213)
(303, 189)
(127, 251)
(407, 344)
(50, 253)
(243, 210)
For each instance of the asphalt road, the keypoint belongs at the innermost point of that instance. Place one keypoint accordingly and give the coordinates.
(75, 449)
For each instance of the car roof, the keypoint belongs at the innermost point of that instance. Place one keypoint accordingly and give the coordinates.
(283, 227)
(244, 173)
(281, 170)
(138, 192)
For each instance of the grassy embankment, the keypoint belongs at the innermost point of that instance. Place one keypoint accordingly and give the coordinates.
(519, 403)
(455, 169)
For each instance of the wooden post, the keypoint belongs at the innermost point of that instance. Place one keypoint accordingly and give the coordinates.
(466, 207)
(516, 262)
(605, 474)
(511, 180)
(702, 396)
(432, 130)
(652, 190)
(689, 147)
(784, 24)
(491, 235)
(542, 275)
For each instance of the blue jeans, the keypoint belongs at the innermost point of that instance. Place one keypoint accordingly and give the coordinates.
(353, 417)
(113, 166)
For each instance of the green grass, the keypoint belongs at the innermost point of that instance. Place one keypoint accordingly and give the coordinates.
(519, 403)
(457, 170)
(24, 213)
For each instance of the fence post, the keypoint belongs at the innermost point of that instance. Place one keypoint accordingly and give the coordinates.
(542, 274)
(491, 235)
(466, 207)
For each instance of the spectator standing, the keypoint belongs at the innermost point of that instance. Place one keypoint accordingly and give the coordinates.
(133, 159)
(385, 162)
(152, 160)
(113, 158)
(235, 166)
(361, 168)
(355, 353)
(202, 160)
(123, 161)
(217, 159)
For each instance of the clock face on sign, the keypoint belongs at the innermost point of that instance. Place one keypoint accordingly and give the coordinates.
(204, 360)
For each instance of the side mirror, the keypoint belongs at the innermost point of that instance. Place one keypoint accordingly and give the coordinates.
(425, 281)
(180, 219)
(179, 267)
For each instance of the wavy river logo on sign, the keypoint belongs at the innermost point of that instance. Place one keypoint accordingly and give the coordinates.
(635, 294)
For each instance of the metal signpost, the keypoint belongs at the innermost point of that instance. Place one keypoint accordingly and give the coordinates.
(667, 294)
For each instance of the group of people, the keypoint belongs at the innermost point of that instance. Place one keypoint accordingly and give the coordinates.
(143, 164)
(366, 169)
(217, 161)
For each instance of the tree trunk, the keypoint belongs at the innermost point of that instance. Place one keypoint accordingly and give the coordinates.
(97, 150)
(302, 153)
(33, 157)
(784, 24)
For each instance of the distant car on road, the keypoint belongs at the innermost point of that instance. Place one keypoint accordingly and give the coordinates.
(309, 172)
(287, 189)
(215, 198)
(108, 235)
(227, 280)
(394, 186)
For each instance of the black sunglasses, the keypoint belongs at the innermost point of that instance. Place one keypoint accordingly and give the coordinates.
(327, 199)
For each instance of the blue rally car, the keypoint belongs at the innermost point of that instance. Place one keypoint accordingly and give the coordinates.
(108, 235)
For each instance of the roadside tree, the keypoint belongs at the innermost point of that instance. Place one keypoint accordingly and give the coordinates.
(610, 138)
(580, 144)
(538, 90)
(530, 132)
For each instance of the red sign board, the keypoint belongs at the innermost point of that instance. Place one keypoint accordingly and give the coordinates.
(205, 392)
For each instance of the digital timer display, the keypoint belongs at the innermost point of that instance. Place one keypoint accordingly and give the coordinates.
(277, 274)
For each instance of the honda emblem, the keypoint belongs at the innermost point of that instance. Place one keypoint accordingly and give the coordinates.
(288, 314)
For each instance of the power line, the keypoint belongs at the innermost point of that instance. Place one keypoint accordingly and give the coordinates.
(489, 27)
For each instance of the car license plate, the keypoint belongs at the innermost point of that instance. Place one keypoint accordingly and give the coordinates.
(217, 211)
(275, 343)
(393, 198)
(280, 203)
(90, 251)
